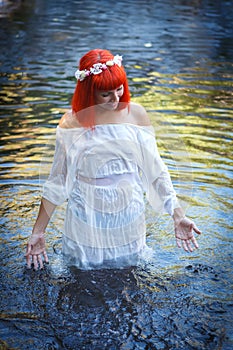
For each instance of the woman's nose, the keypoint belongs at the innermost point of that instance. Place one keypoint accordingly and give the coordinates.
(115, 96)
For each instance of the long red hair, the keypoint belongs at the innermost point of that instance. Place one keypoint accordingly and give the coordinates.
(109, 79)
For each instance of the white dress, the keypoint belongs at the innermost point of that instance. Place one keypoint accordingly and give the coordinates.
(104, 174)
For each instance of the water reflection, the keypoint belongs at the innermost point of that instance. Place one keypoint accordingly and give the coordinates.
(178, 56)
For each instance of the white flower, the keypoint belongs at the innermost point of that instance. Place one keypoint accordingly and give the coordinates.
(81, 74)
(117, 60)
(109, 63)
(98, 68)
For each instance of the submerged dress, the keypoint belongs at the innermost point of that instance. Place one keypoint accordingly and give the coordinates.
(104, 174)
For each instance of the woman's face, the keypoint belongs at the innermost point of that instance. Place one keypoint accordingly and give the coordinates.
(109, 99)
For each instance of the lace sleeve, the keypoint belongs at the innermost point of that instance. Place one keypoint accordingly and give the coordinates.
(54, 188)
(162, 194)
(159, 189)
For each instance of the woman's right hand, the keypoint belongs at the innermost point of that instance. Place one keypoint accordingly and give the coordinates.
(36, 253)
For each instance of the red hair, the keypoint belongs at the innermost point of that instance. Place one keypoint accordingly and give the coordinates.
(110, 79)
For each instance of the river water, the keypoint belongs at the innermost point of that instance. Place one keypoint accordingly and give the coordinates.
(178, 57)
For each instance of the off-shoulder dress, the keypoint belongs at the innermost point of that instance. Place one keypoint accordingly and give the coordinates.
(105, 173)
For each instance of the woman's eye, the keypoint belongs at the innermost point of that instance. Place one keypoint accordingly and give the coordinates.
(105, 95)
(120, 88)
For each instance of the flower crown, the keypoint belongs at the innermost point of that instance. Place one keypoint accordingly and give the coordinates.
(97, 68)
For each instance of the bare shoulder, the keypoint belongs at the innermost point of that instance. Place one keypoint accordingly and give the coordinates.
(139, 114)
(69, 121)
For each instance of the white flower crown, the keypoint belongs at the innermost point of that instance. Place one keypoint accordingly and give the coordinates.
(97, 68)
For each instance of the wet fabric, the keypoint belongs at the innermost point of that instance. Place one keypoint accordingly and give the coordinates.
(105, 174)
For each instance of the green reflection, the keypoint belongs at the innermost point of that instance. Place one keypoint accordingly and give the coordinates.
(200, 109)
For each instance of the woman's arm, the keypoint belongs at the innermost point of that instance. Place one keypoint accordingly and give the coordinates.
(160, 191)
(54, 193)
(36, 243)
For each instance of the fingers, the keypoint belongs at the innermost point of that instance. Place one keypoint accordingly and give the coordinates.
(196, 229)
(186, 244)
(36, 261)
(185, 238)
(46, 259)
(28, 256)
(40, 262)
(193, 239)
(28, 261)
(178, 242)
(29, 249)
(36, 255)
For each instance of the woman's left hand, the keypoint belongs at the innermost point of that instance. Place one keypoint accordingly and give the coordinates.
(184, 232)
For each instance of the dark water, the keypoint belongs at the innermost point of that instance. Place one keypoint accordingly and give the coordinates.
(178, 56)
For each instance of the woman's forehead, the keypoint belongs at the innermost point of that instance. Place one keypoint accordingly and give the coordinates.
(109, 90)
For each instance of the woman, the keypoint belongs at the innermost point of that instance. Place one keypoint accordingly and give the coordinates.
(105, 160)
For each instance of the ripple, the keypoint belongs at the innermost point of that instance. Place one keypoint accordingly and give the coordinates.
(178, 57)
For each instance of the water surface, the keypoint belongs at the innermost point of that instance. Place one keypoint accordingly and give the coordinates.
(178, 57)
